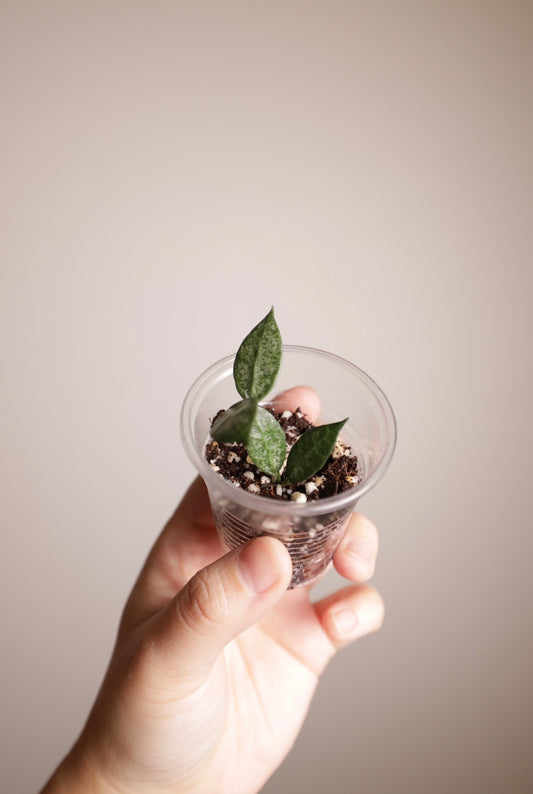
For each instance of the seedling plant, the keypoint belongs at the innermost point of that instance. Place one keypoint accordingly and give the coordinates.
(255, 370)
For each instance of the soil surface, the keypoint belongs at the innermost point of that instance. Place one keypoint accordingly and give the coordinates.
(232, 462)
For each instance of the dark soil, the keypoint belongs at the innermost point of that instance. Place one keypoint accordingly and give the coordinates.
(232, 462)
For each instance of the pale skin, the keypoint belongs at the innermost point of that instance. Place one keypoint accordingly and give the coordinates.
(215, 662)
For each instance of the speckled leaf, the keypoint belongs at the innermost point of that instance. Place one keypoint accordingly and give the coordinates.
(311, 451)
(258, 359)
(235, 423)
(267, 445)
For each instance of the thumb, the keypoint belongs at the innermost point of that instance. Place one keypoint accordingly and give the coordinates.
(217, 604)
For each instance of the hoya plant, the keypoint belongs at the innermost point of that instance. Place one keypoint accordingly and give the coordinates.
(255, 370)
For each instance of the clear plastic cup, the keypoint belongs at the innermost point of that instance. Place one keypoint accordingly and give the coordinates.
(311, 531)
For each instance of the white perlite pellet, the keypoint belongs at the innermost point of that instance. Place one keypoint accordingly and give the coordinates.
(310, 487)
(270, 524)
(233, 457)
(253, 488)
(249, 475)
(338, 450)
(298, 497)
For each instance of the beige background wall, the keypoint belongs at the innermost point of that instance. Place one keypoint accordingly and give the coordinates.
(169, 171)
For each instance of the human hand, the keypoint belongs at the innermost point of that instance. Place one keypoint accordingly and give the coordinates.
(215, 662)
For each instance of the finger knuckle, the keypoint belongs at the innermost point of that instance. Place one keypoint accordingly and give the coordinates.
(204, 601)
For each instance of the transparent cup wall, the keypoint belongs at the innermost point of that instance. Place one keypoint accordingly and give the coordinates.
(310, 539)
(311, 531)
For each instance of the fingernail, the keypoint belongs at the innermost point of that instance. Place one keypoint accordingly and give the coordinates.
(362, 552)
(345, 622)
(258, 566)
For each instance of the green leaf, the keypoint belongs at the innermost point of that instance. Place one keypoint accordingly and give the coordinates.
(235, 423)
(258, 359)
(311, 451)
(267, 445)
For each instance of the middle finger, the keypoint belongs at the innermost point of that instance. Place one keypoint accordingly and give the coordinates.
(355, 557)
